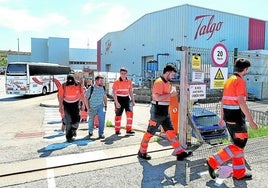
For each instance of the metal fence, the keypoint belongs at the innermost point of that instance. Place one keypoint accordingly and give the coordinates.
(261, 118)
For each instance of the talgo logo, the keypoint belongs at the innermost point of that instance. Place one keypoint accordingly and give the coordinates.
(207, 26)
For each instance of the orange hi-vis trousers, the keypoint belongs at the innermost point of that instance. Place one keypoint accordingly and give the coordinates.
(171, 136)
(174, 141)
(117, 123)
(144, 143)
(129, 120)
(129, 116)
(230, 152)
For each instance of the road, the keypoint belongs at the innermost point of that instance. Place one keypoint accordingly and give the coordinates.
(34, 153)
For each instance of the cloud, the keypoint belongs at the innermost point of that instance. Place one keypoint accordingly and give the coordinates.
(91, 7)
(116, 18)
(21, 20)
(112, 18)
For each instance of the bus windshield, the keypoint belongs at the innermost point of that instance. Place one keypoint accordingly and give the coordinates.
(16, 68)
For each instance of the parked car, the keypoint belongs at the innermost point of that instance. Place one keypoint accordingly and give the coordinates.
(206, 123)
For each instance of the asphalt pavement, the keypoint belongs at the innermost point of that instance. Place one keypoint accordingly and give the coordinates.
(162, 171)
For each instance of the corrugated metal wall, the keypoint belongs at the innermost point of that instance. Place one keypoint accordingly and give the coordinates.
(162, 31)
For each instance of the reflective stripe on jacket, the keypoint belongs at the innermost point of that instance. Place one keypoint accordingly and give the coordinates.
(161, 87)
(71, 93)
(235, 86)
(122, 87)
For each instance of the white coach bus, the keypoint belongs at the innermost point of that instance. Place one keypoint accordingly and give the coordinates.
(31, 78)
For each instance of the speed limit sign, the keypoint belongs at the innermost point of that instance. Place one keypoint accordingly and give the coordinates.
(219, 55)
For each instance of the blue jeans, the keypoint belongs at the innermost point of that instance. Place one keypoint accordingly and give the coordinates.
(97, 110)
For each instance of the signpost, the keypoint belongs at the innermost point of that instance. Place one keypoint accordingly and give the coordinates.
(219, 55)
(219, 69)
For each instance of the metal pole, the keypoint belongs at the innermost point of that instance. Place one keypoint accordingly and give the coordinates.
(157, 57)
(18, 49)
(183, 120)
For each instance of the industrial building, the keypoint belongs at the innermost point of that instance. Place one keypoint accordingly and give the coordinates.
(145, 46)
(57, 50)
(152, 40)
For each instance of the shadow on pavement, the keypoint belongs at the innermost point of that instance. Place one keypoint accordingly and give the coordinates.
(164, 174)
(47, 150)
(113, 138)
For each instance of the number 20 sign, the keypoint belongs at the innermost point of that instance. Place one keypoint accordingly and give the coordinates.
(219, 55)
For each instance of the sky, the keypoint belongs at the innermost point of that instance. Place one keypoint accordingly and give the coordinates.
(85, 22)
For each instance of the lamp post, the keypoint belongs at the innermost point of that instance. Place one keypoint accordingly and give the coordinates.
(157, 56)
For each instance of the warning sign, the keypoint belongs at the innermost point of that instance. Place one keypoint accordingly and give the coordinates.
(218, 77)
(196, 62)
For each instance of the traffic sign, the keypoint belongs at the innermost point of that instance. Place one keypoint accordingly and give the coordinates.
(218, 76)
(219, 55)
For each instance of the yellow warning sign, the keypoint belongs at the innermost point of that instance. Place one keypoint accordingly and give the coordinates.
(219, 75)
(196, 62)
(218, 84)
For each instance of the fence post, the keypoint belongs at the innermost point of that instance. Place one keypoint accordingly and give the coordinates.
(183, 120)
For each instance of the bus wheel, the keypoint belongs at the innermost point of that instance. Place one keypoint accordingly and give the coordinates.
(44, 91)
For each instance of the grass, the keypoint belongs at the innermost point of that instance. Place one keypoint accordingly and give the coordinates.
(260, 132)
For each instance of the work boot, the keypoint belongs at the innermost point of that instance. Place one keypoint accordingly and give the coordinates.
(144, 156)
(130, 132)
(247, 176)
(117, 132)
(70, 140)
(69, 136)
(183, 155)
(101, 136)
(211, 171)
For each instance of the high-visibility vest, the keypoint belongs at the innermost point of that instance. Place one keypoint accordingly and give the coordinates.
(122, 87)
(235, 86)
(71, 93)
(161, 86)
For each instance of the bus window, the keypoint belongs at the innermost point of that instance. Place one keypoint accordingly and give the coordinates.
(16, 68)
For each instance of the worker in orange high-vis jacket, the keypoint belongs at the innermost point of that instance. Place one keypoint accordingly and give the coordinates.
(69, 96)
(123, 100)
(159, 115)
(233, 114)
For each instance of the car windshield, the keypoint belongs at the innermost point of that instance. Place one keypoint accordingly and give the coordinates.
(207, 120)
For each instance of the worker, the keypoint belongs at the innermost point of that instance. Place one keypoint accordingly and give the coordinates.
(123, 101)
(234, 110)
(159, 115)
(69, 96)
